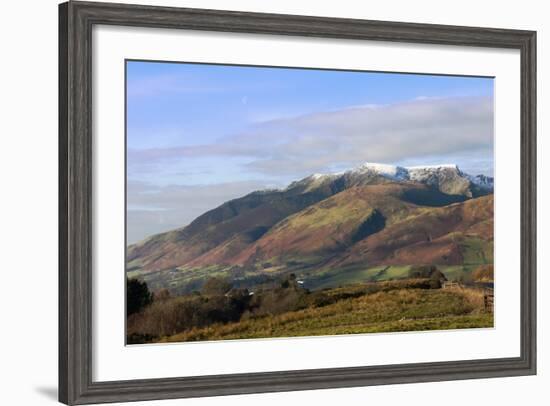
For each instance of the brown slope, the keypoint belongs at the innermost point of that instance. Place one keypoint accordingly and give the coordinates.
(230, 228)
(236, 223)
(429, 236)
(381, 223)
(329, 227)
(247, 220)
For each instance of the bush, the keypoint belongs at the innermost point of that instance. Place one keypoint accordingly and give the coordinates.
(216, 286)
(217, 303)
(161, 294)
(484, 273)
(183, 313)
(278, 300)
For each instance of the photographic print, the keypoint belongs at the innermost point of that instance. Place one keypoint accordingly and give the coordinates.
(267, 202)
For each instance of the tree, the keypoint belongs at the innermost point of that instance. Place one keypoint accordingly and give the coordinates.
(289, 281)
(428, 272)
(216, 287)
(422, 271)
(437, 278)
(137, 296)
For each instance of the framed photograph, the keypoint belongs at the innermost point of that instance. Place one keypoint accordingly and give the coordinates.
(259, 202)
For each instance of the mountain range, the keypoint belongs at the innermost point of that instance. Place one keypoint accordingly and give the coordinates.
(368, 223)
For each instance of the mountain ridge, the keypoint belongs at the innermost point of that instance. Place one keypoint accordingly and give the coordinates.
(440, 176)
(325, 216)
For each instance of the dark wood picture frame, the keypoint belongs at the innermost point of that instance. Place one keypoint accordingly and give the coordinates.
(76, 20)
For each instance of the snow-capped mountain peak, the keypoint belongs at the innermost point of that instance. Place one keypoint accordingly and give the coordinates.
(448, 178)
(434, 167)
(482, 180)
(386, 170)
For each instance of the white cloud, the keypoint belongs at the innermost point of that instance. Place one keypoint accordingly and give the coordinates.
(422, 131)
(411, 131)
(154, 209)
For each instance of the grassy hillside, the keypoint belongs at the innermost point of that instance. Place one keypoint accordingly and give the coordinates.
(354, 316)
(234, 224)
(327, 236)
(399, 310)
(330, 226)
(457, 234)
(347, 253)
(288, 310)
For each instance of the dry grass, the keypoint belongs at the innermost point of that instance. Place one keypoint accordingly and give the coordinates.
(484, 273)
(397, 310)
(474, 296)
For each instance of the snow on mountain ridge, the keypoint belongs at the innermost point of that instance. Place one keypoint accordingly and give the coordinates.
(396, 170)
(429, 167)
(481, 180)
(406, 172)
(429, 174)
(389, 171)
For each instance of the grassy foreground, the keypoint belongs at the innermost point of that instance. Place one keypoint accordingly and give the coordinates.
(383, 311)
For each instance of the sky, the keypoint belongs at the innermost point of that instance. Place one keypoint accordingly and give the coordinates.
(199, 135)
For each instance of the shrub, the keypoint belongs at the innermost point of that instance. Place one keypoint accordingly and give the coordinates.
(161, 294)
(484, 273)
(182, 313)
(279, 300)
(216, 286)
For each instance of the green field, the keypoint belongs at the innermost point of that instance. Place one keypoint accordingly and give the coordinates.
(352, 275)
(477, 251)
(186, 280)
(342, 277)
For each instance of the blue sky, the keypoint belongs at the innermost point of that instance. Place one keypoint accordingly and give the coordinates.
(199, 135)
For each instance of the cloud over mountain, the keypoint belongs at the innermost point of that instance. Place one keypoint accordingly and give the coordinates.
(417, 132)
(412, 131)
